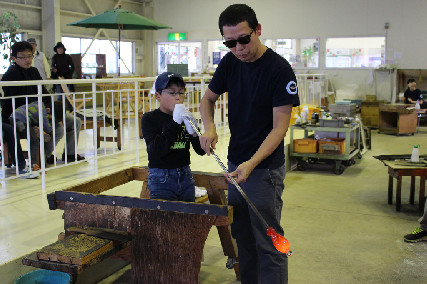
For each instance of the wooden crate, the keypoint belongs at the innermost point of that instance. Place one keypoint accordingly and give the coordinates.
(332, 146)
(305, 146)
(370, 114)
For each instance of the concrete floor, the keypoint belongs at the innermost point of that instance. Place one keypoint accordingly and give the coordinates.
(340, 228)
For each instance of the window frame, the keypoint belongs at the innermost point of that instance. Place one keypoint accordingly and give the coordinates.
(293, 45)
(382, 53)
(123, 71)
(178, 43)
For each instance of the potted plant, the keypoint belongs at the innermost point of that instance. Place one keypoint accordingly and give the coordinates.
(8, 30)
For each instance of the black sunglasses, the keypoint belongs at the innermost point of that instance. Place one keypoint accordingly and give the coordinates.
(242, 40)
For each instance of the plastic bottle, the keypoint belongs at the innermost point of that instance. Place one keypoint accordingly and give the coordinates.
(417, 105)
(415, 157)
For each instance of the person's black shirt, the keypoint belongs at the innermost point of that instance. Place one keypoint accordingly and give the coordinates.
(17, 73)
(413, 95)
(64, 65)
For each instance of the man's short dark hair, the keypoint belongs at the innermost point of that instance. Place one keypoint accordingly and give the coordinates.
(21, 46)
(410, 81)
(235, 14)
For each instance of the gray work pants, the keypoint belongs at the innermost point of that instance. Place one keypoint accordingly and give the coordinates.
(259, 260)
(423, 219)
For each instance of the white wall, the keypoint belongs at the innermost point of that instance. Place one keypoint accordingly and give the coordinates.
(406, 37)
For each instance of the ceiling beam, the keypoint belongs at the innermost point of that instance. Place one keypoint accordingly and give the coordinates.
(79, 14)
(24, 6)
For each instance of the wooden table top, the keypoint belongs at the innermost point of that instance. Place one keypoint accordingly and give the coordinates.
(406, 164)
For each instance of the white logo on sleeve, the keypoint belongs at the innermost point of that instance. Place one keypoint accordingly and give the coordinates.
(292, 88)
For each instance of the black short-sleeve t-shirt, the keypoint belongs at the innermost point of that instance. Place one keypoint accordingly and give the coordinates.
(413, 95)
(254, 89)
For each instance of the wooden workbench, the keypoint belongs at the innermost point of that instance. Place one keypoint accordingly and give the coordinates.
(397, 119)
(166, 237)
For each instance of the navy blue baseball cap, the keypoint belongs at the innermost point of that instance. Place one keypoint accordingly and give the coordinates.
(164, 78)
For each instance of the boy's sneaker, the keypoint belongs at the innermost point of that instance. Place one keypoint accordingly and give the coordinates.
(25, 174)
(418, 235)
(36, 167)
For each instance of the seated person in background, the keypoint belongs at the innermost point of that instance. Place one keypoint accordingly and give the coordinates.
(33, 117)
(9, 139)
(21, 70)
(412, 94)
(168, 136)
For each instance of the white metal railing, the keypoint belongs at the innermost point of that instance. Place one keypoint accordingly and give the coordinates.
(312, 88)
(120, 101)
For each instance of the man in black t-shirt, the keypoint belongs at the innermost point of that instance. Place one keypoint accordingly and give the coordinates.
(262, 89)
(412, 94)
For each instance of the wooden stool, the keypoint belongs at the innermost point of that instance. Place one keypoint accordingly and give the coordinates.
(118, 138)
(399, 169)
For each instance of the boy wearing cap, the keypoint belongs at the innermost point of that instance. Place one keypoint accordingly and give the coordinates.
(168, 135)
(40, 61)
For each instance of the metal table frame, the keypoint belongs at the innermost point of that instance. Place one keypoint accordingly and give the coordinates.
(349, 153)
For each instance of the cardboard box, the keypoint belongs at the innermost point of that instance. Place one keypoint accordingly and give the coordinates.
(332, 146)
(370, 114)
(371, 121)
(305, 146)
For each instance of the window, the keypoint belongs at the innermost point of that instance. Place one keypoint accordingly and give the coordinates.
(182, 52)
(216, 51)
(4, 62)
(300, 53)
(354, 52)
(79, 45)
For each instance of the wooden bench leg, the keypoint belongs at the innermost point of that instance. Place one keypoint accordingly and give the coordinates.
(6, 155)
(390, 189)
(145, 193)
(119, 138)
(228, 243)
(167, 247)
(412, 192)
(422, 193)
(398, 193)
(98, 136)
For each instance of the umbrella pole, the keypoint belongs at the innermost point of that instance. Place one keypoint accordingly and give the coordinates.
(118, 65)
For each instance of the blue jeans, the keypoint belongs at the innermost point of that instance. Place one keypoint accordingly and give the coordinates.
(259, 260)
(171, 184)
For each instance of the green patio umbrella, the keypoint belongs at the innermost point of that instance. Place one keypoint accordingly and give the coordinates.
(120, 19)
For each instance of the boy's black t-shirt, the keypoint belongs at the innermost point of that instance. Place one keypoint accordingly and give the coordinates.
(254, 89)
(168, 143)
(413, 95)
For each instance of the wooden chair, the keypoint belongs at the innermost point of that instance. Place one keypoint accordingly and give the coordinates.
(79, 102)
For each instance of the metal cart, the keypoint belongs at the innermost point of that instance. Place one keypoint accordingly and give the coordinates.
(352, 147)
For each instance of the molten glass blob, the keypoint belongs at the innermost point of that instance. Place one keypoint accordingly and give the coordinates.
(279, 242)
